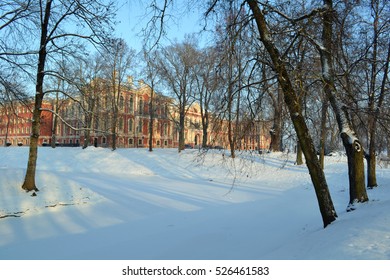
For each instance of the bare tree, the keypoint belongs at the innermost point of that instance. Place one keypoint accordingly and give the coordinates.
(151, 75)
(118, 59)
(175, 65)
(376, 88)
(53, 20)
(349, 137)
(13, 16)
(317, 175)
(351, 142)
(89, 86)
(361, 64)
(206, 86)
(9, 96)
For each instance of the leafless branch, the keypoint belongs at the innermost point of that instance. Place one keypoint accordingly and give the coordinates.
(69, 125)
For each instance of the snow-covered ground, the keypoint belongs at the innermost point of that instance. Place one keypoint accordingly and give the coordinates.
(133, 204)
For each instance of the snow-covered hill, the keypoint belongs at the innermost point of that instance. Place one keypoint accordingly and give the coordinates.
(133, 204)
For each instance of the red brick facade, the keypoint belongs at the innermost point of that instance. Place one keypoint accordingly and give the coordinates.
(15, 124)
(131, 126)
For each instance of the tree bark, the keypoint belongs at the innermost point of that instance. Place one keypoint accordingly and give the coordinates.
(276, 131)
(151, 114)
(205, 126)
(181, 129)
(372, 118)
(324, 110)
(374, 112)
(55, 119)
(232, 143)
(113, 127)
(89, 100)
(371, 157)
(317, 175)
(29, 180)
(351, 143)
(299, 159)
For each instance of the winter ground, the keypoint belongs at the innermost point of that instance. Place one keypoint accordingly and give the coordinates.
(133, 204)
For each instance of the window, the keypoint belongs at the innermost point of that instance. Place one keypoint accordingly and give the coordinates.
(131, 104)
(141, 106)
(140, 124)
(121, 102)
(131, 141)
(131, 125)
(120, 123)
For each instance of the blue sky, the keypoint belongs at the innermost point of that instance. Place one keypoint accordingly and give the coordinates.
(133, 17)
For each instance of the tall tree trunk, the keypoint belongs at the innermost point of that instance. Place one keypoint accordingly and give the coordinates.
(299, 159)
(89, 114)
(113, 128)
(55, 120)
(205, 126)
(317, 175)
(232, 144)
(351, 143)
(371, 161)
(230, 127)
(87, 132)
(54, 130)
(7, 128)
(29, 180)
(115, 99)
(237, 129)
(371, 157)
(374, 112)
(181, 128)
(324, 110)
(276, 131)
(151, 114)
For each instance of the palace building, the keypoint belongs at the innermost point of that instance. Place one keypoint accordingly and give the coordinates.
(102, 116)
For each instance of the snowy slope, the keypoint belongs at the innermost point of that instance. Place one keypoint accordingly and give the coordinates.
(133, 204)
